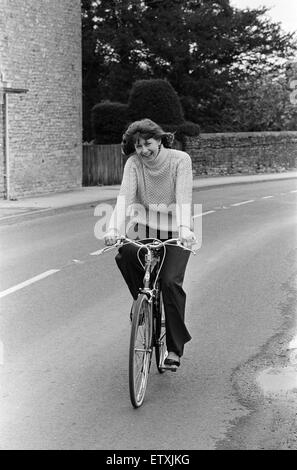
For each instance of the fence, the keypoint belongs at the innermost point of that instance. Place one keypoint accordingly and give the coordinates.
(102, 164)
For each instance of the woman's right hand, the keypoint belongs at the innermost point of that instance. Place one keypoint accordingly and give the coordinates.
(111, 237)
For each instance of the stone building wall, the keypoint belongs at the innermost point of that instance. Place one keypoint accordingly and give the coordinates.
(40, 50)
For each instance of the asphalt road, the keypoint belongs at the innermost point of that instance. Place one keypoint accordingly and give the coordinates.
(64, 334)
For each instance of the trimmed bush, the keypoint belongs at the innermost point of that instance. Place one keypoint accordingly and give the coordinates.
(108, 122)
(187, 128)
(157, 100)
(153, 99)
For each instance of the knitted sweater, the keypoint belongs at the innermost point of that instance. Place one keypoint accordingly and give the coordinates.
(166, 182)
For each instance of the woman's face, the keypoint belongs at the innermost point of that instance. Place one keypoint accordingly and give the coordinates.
(147, 149)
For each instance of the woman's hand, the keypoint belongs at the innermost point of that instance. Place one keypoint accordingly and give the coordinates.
(187, 237)
(111, 237)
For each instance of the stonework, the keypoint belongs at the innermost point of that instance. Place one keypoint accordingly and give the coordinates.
(40, 50)
(242, 153)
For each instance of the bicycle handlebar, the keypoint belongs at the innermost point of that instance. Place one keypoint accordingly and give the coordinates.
(155, 244)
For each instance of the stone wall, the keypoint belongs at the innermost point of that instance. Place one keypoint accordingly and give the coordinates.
(40, 49)
(242, 153)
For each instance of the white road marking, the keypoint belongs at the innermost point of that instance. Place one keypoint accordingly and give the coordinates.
(243, 202)
(295, 191)
(203, 213)
(17, 287)
(267, 197)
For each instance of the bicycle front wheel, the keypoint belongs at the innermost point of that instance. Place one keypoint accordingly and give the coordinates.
(141, 347)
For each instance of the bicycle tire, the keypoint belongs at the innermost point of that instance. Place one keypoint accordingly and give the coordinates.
(160, 336)
(140, 350)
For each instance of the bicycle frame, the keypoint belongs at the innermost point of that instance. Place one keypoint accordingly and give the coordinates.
(151, 260)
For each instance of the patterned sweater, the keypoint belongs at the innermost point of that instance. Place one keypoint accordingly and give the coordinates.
(166, 182)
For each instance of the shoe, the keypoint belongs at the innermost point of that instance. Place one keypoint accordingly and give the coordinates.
(171, 362)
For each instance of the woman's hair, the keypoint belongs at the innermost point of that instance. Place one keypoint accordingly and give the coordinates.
(145, 129)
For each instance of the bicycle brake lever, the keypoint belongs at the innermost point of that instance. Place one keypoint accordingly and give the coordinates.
(105, 249)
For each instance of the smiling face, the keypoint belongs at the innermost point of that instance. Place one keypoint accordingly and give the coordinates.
(147, 148)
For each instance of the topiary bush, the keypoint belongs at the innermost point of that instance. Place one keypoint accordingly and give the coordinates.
(154, 99)
(108, 122)
(157, 100)
(187, 128)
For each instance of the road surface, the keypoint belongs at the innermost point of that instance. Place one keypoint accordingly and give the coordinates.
(64, 331)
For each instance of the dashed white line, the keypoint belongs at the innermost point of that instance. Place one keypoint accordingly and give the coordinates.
(17, 287)
(203, 213)
(294, 191)
(242, 203)
(267, 197)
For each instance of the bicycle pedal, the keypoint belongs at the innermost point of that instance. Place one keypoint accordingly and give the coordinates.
(172, 369)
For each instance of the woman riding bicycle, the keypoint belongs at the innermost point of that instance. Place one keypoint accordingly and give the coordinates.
(157, 181)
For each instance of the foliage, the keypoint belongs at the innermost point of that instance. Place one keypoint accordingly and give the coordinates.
(260, 103)
(92, 66)
(156, 100)
(108, 122)
(187, 128)
(204, 48)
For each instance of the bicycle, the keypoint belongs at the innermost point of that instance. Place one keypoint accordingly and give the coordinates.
(148, 328)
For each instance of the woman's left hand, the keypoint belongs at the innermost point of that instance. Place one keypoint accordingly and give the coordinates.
(187, 237)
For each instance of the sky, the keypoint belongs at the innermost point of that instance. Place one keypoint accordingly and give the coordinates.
(284, 11)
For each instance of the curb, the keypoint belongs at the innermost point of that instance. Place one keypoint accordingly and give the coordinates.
(49, 211)
(237, 183)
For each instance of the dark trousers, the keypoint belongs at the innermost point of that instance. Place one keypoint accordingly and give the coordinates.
(174, 297)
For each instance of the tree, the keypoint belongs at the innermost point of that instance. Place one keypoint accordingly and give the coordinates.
(204, 48)
(92, 66)
(259, 103)
(108, 122)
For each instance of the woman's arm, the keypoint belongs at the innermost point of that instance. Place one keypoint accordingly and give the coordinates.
(184, 188)
(126, 197)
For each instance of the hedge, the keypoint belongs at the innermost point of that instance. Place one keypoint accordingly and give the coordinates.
(108, 122)
(155, 99)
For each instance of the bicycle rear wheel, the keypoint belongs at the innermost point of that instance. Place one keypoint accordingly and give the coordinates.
(160, 339)
(141, 347)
